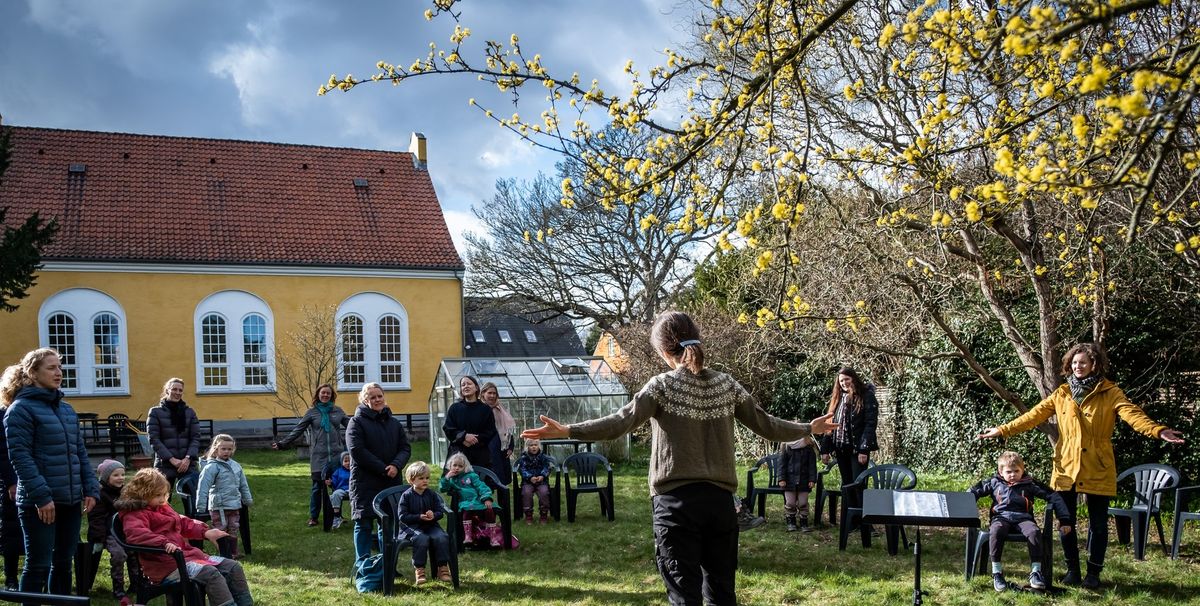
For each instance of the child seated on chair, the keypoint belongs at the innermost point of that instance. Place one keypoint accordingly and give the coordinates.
(797, 476)
(339, 483)
(474, 501)
(419, 512)
(534, 467)
(112, 477)
(1013, 492)
(222, 489)
(148, 520)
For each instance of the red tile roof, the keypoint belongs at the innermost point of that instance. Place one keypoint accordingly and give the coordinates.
(147, 198)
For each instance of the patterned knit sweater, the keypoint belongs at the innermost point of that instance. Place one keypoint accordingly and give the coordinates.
(691, 421)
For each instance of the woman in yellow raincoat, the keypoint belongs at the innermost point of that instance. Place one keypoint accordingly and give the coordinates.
(1086, 408)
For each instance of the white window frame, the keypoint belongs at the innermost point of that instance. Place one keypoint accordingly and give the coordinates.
(478, 336)
(83, 306)
(505, 336)
(234, 306)
(371, 307)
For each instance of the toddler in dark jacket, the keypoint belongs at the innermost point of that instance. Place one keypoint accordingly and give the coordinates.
(797, 476)
(419, 512)
(1013, 492)
(112, 477)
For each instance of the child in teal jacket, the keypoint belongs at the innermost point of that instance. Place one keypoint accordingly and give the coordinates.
(474, 501)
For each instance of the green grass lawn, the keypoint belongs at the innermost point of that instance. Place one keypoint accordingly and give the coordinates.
(596, 562)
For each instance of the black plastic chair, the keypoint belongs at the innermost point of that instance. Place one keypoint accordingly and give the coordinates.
(501, 505)
(757, 492)
(185, 487)
(976, 542)
(145, 589)
(1183, 513)
(554, 482)
(1149, 481)
(885, 477)
(586, 468)
(386, 505)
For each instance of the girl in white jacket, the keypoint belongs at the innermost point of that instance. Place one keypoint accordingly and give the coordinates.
(222, 489)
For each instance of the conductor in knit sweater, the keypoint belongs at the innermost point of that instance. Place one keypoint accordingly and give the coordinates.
(691, 411)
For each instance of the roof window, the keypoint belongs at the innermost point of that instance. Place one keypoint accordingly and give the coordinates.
(530, 337)
(505, 337)
(77, 168)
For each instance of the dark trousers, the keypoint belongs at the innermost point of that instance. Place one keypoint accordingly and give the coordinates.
(428, 539)
(317, 493)
(695, 544)
(12, 539)
(50, 549)
(998, 533)
(849, 467)
(1097, 543)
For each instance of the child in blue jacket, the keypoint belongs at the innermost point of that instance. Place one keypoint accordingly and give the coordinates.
(1013, 492)
(534, 467)
(339, 482)
(222, 489)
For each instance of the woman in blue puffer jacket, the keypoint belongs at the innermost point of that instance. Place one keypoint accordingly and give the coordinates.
(53, 474)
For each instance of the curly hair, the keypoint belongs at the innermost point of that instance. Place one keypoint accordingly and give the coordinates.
(1092, 350)
(459, 457)
(146, 485)
(21, 374)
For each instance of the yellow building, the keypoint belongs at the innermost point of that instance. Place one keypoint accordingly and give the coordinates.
(202, 258)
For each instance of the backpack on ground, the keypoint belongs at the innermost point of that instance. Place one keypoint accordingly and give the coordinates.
(368, 574)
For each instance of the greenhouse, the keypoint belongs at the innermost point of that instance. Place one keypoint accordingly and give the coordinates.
(568, 390)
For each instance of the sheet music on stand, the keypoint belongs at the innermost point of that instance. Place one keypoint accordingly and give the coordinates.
(920, 504)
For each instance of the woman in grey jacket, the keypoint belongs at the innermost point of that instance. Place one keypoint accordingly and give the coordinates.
(53, 474)
(174, 432)
(326, 426)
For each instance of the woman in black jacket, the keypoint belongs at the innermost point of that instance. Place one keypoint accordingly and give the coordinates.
(174, 432)
(856, 411)
(470, 425)
(378, 452)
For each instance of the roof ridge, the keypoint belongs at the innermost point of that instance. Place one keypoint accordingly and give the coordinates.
(209, 139)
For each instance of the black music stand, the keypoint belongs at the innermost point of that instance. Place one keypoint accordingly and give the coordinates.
(920, 508)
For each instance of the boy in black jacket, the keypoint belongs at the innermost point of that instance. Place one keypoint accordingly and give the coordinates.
(1013, 492)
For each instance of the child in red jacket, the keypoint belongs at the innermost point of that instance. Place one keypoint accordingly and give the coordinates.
(148, 520)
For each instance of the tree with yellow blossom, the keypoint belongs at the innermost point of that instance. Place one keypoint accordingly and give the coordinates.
(994, 151)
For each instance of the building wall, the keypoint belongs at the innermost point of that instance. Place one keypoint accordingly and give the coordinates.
(159, 311)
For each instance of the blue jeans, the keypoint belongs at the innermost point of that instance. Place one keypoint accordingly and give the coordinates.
(366, 538)
(50, 548)
(430, 538)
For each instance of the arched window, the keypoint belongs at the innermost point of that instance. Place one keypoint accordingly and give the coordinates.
(87, 328)
(235, 343)
(373, 338)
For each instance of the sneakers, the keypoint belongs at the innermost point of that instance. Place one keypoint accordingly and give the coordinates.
(791, 524)
(998, 582)
(443, 573)
(1036, 581)
(749, 521)
(337, 522)
(419, 576)
(1091, 581)
(312, 522)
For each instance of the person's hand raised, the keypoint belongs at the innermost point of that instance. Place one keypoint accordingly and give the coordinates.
(991, 432)
(823, 424)
(1172, 436)
(551, 430)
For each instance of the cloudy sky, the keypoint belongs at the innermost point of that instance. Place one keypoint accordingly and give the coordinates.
(250, 70)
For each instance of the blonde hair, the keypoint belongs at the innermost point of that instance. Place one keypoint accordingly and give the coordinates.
(362, 393)
(146, 485)
(219, 439)
(166, 392)
(416, 469)
(20, 375)
(1009, 458)
(459, 457)
(532, 441)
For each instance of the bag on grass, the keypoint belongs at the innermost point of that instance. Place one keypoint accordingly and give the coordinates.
(368, 574)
